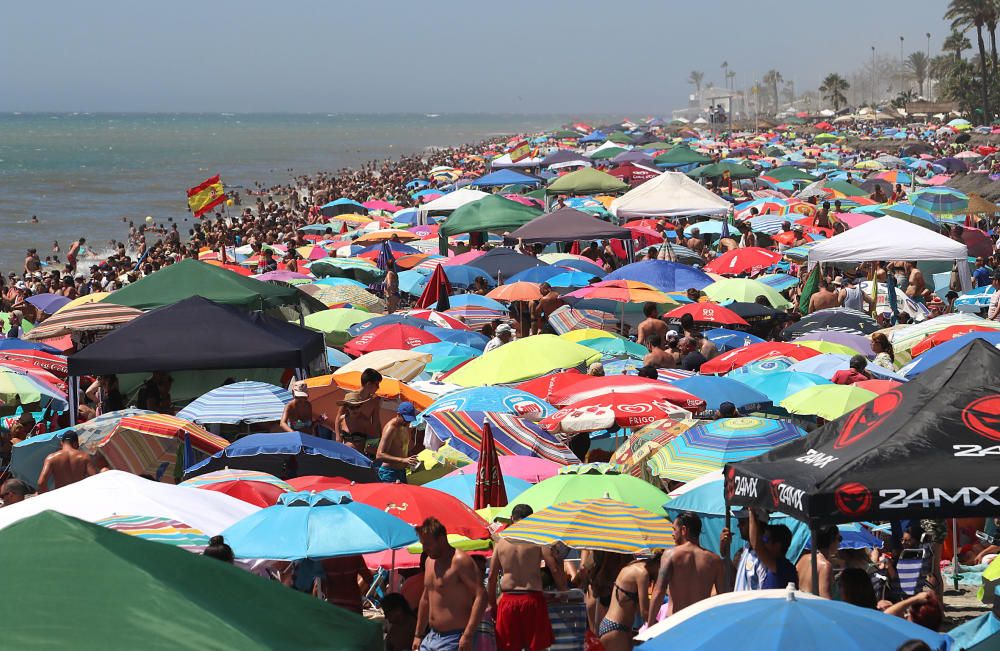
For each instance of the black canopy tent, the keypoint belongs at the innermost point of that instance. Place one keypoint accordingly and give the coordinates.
(196, 334)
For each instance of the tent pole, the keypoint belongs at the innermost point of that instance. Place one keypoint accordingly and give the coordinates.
(813, 562)
(73, 399)
(729, 557)
(954, 552)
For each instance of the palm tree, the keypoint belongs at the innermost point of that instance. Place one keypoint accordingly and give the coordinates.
(771, 79)
(833, 88)
(696, 77)
(918, 64)
(958, 42)
(725, 73)
(991, 17)
(964, 14)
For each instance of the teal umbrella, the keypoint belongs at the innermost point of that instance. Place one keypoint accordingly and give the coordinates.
(779, 385)
(615, 346)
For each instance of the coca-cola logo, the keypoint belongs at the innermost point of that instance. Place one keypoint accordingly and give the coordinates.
(853, 499)
(982, 416)
(865, 419)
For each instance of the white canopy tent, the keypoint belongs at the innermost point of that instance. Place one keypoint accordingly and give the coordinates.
(120, 493)
(506, 161)
(449, 202)
(889, 238)
(671, 194)
(607, 144)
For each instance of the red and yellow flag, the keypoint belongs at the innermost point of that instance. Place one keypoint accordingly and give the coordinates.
(206, 195)
(520, 151)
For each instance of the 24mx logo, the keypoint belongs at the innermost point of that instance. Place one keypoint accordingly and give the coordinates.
(969, 496)
(972, 450)
(816, 458)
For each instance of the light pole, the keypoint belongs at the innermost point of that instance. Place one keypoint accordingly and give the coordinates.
(902, 73)
(928, 71)
(873, 77)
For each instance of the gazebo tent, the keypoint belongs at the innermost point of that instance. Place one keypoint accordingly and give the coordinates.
(682, 155)
(586, 181)
(189, 278)
(503, 263)
(563, 156)
(568, 224)
(670, 194)
(921, 450)
(504, 177)
(448, 203)
(506, 161)
(888, 238)
(492, 213)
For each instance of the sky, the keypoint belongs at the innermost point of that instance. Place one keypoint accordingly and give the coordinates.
(441, 56)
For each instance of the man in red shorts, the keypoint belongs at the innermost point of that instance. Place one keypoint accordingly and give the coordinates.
(521, 613)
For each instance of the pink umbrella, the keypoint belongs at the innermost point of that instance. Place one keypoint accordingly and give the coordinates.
(424, 198)
(439, 319)
(424, 230)
(281, 276)
(937, 179)
(531, 469)
(464, 258)
(520, 198)
(379, 204)
(853, 219)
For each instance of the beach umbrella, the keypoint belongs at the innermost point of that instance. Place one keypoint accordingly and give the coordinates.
(707, 447)
(622, 291)
(583, 334)
(576, 262)
(475, 316)
(48, 303)
(251, 486)
(779, 282)
(18, 387)
(491, 399)
(446, 355)
(462, 432)
(361, 327)
(402, 365)
(13, 343)
(437, 291)
(854, 343)
(490, 491)
(629, 410)
(282, 276)
(831, 347)
(827, 364)
(641, 444)
(463, 275)
(947, 334)
(706, 313)
(940, 200)
(334, 324)
(587, 388)
(596, 524)
(161, 530)
(828, 401)
(726, 340)
(389, 337)
(237, 403)
(716, 390)
(761, 367)
(414, 504)
(981, 633)
(566, 319)
(780, 384)
(526, 468)
(615, 347)
(470, 338)
(89, 317)
(521, 360)
(333, 281)
(938, 354)
(569, 279)
(463, 486)
(344, 295)
(913, 214)
(150, 444)
(586, 482)
(783, 620)
(537, 274)
(475, 300)
(750, 260)
(320, 525)
(835, 319)
(738, 357)
(744, 290)
(359, 269)
(287, 454)
(439, 319)
(517, 291)
(878, 386)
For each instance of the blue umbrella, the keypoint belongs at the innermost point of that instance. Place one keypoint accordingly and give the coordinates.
(464, 300)
(465, 337)
(394, 247)
(327, 524)
(495, 398)
(386, 319)
(663, 275)
(779, 282)
(334, 282)
(20, 344)
(287, 455)
(854, 535)
(716, 390)
(940, 199)
(417, 183)
(538, 275)
(461, 275)
(829, 363)
(911, 213)
(412, 282)
(941, 352)
(726, 339)
(975, 299)
(48, 303)
(783, 620)
(979, 634)
(447, 355)
(584, 266)
(712, 227)
(779, 385)
(569, 278)
(464, 487)
(336, 358)
(240, 402)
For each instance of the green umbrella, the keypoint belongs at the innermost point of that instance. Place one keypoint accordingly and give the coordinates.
(845, 188)
(127, 593)
(610, 346)
(714, 170)
(620, 137)
(609, 152)
(586, 181)
(682, 155)
(745, 290)
(789, 173)
(492, 213)
(828, 401)
(334, 323)
(588, 483)
(566, 133)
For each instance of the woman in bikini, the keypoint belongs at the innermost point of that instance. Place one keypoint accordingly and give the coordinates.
(629, 597)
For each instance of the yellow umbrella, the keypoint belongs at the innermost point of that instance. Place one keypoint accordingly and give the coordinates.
(828, 347)
(386, 234)
(584, 334)
(83, 300)
(828, 401)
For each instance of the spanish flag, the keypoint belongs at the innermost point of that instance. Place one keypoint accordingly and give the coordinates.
(206, 195)
(520, 151)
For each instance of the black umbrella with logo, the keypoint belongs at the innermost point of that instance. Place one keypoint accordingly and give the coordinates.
(929, 448)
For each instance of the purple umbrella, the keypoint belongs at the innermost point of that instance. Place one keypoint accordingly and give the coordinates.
(858, 342)
(48, 303)
(282, 276)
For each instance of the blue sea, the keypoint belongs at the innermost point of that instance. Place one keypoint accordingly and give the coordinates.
(82, 174)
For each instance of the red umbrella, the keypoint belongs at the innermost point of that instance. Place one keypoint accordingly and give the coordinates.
(629, 386)
(877, 386)
(752, 259)
(547, 385)
(631, 410)
(36, 358)
(765, 350)
(436, 292)
(395, 336)
(490, 489)
(947, 334)
(707, 313)
(257, 493)
(317, 483)
(37, 373)
(414, 504)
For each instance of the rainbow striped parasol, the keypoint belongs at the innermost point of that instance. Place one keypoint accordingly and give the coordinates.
(149, 444)
(229, 474)
(161, 530)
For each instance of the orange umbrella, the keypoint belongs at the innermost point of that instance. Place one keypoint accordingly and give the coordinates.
(325, 390)
(387, 234)
(519, 291)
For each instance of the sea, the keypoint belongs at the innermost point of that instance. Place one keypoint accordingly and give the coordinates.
(88, 174)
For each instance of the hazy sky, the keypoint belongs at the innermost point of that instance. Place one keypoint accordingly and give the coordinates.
(525, 56)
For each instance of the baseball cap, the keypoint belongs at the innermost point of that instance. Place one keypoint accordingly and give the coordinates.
(503, 327)
(407, 411)
(352, 398)
(672, 334)
(299, 390)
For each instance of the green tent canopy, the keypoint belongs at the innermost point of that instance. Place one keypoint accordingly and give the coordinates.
(736, 171)
(566, 134)
(681, 155)
(189, 278)
(83, 587)
(620, 137)
(607, 152)
(789, 173)
(657, 146)
(586, 181)
(490, 213)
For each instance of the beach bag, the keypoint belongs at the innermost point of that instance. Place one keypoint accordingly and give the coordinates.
(954, 283)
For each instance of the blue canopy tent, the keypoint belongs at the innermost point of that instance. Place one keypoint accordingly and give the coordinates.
(504, 177)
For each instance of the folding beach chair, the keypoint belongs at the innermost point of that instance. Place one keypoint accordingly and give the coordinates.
(376, 591)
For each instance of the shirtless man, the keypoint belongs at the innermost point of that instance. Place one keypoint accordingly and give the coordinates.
(70, 464)
(916, 288)
(453, 599)
(393, 449)
(688, 571)
(827, 542)
(31, 261)
(522, 616)
(545, 306)
(823, 298)
(359, 419)
(650, 326)
(74, 253)
(629, 597)
(658, 357)
(695, 243)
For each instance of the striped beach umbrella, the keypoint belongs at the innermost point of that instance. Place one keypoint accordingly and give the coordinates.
(230, 475)
(240, 402)
(149, 444)
(90, 317)
(161, 530)
(341, 295)
(710, 446)
(566, 319)
(252, 486)
(940, 200)
(475, 317)
(642, 444)
(598, 524)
